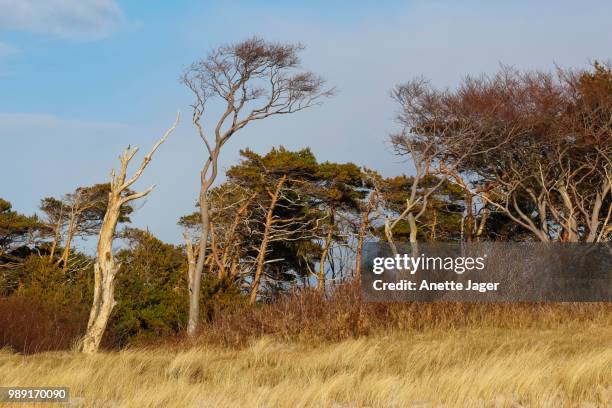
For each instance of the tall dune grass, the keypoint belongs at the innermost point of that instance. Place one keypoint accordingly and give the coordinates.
(305, 350)
(570, 366)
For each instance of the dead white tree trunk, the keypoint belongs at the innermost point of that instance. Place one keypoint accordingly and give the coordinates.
(105, 268)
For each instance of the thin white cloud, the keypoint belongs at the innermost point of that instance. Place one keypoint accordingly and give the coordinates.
(83, 19)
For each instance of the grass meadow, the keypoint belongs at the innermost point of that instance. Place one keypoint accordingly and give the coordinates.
(303, 351)
(570, 366)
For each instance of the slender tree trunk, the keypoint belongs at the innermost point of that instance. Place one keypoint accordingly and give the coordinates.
(593, 222)
(214, 252)
(389, 236)
(360, 241)
(483, 222)
(235, 261)
(328, 241)
(57, 233)
(434, 225)
(191, 261)
(414, 244)
(56, 238)
(469, 217)
(196, 284)
(196, 281)
(571, 225)
(263, 247)
(363, 230)
(72, 226)
(229, 251)
(53, 248)
(66, 253)
(413, 228)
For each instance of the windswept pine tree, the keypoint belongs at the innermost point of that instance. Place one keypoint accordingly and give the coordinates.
(78, 214)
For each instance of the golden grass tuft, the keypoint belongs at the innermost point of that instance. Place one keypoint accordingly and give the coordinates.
(568, 366)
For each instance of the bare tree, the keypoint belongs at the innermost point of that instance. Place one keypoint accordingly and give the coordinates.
(423, 159)
(253, 79)
(557, 198)
(105, 268)
(554, 178)
(439, 139)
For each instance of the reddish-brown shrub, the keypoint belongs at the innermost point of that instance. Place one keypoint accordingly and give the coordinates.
(29, 325)
(307, 315)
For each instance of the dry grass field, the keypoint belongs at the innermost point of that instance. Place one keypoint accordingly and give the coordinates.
(566, 366)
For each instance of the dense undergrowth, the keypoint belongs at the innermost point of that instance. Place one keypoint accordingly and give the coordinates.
(29, 325)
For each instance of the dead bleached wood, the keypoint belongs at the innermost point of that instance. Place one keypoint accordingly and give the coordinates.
(105, 268)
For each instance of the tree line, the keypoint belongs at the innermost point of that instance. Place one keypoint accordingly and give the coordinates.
(512, 156)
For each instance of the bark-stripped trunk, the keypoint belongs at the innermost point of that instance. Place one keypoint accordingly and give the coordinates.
(105, 271)
(105, 268)
(389, 236)
(363, 230)
(483, 221)
(263, 247)
(570, 233)
(594, 219)
(413, 228)
(414, 244)
(326, 246)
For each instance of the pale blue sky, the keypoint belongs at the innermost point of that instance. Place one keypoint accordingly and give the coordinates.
(80, 79)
